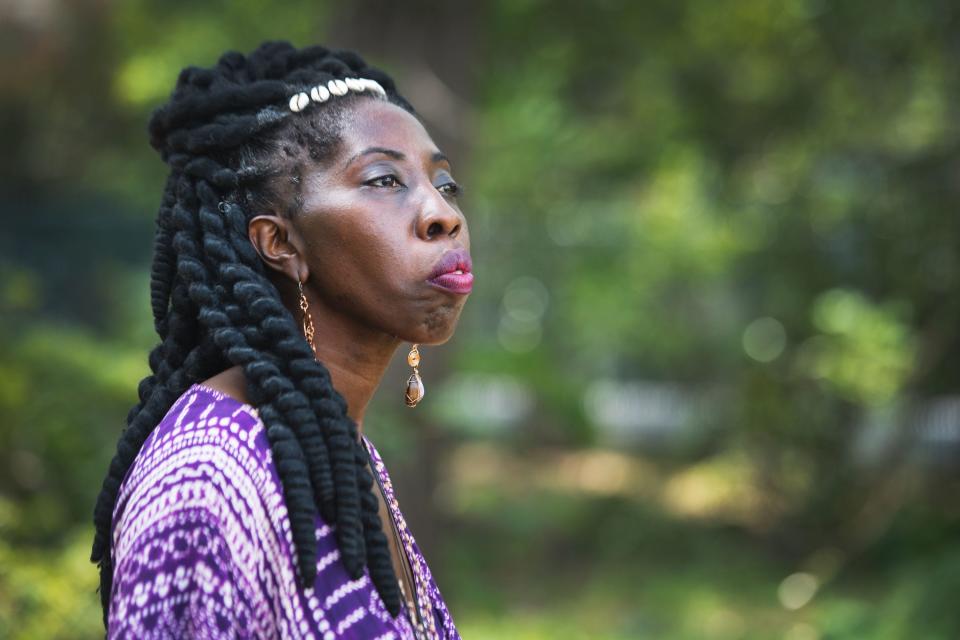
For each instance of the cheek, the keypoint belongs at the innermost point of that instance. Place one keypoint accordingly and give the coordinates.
(372, 270)
(356, 259)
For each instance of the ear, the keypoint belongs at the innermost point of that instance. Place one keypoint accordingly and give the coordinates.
(278, 242)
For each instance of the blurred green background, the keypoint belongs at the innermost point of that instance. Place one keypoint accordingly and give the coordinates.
(706, 386)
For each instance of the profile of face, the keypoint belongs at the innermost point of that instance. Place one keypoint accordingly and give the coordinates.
(380, 242)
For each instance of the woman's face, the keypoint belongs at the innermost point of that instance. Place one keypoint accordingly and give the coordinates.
(380, 221)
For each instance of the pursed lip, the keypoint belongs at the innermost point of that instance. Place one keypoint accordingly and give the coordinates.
(453, 271)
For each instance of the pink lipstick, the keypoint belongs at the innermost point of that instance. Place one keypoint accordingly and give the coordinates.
(453, 272)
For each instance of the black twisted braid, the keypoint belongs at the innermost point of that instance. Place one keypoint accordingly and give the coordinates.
(235, 147)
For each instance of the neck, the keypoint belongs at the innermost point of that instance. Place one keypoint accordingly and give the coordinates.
(355, 370)
(356, 356)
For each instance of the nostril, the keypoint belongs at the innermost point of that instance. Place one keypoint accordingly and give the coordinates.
(434, 229)
(455, 230)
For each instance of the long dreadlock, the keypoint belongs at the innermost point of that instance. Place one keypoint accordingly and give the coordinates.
(235, 148)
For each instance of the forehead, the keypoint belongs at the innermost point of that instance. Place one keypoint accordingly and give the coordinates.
(377, 123)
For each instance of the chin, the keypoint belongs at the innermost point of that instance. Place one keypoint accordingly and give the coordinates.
(432, 333)
(433, 324)
(436, 326)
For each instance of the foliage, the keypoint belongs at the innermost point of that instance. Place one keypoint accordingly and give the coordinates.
(731, 222)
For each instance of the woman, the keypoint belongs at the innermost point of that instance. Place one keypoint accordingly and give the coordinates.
(308, 227)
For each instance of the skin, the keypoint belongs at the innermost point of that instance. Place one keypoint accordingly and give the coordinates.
(373, 226)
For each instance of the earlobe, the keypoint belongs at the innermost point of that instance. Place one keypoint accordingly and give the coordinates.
(273, 238)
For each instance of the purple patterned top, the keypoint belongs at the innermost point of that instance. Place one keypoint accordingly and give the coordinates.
(202, 546)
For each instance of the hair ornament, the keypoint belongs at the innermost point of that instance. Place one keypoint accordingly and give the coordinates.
(319, 93)
(299, 101)
(335, 87)
(373, 85)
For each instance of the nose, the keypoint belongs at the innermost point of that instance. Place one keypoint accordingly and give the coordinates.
(438, 217)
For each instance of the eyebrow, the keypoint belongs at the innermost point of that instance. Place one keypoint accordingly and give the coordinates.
(396, 155)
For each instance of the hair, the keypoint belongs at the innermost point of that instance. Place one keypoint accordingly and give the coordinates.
(234, 148)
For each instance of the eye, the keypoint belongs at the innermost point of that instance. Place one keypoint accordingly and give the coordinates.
(450, 189)
(388, 180)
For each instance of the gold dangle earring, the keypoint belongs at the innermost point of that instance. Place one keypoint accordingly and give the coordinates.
(307, 319)
(415, 390)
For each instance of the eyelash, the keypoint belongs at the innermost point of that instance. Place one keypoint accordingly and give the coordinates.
(455, 189)
(374, 181)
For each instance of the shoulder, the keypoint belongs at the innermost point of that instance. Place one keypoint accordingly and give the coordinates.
(204, 436)
(209, 452)
(193, 518)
